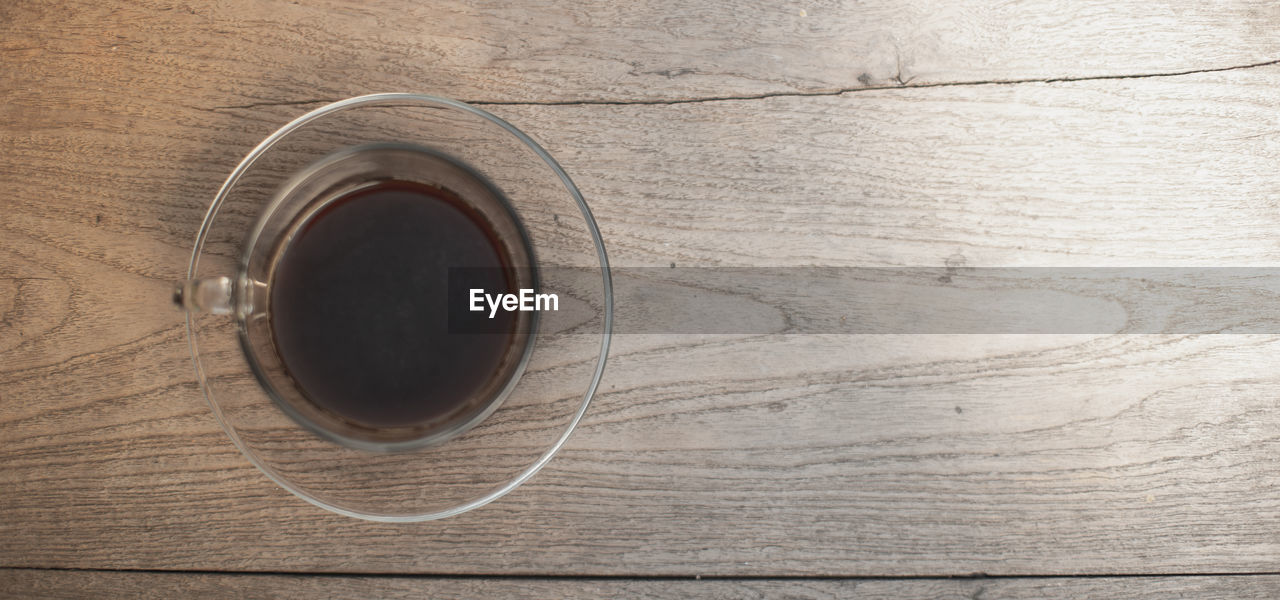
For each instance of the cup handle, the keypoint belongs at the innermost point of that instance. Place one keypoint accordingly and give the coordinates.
(209, 295)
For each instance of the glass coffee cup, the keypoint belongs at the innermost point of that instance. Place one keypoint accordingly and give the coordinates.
(331, 307)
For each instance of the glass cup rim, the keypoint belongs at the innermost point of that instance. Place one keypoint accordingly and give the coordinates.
(425, 100)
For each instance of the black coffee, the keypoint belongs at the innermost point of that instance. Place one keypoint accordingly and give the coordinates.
(358, 307)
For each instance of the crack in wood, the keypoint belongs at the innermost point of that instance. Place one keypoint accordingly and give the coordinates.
(902, 85)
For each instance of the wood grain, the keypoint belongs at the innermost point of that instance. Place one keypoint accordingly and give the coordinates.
(243, 52)
(703, 455)
(50, 585)
(723, 454)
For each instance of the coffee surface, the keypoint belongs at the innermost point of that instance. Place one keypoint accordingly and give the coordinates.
(359, 313)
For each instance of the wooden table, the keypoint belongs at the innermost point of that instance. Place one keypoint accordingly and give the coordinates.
(871, 133)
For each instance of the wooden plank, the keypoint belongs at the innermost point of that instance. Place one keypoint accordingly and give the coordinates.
(245, 52)
(42, 584)
(711, 455)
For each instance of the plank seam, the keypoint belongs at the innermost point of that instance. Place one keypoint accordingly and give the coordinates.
(660, 577)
